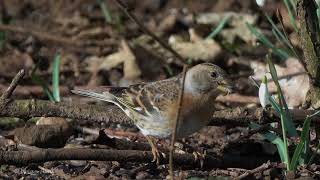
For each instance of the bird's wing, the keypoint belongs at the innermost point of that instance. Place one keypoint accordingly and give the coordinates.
(151, 98)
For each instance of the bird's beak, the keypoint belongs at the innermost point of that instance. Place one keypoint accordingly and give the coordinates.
(225, 86)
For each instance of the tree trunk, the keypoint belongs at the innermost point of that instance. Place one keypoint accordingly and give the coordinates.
(310, 41)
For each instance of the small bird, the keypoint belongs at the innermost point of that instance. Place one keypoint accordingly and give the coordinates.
(153, 106)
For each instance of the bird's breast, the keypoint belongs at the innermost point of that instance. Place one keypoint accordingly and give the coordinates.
(194, 115)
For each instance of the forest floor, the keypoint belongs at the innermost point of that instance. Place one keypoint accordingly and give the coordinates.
(99, 45)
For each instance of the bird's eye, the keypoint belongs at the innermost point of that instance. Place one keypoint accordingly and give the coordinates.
(213, 74)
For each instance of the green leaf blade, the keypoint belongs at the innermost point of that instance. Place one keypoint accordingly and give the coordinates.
(55, 78)
(219, 28)
(303, 141)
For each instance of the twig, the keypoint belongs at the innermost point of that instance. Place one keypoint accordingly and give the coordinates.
(186, 160)
(14, 83)
(121, 144)
(147, 31)
(240, 116)
(238, 98)
(261, 168)
(176, 122)
(5, 97)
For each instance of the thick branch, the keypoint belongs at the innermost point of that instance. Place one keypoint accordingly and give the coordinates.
(37, 108)
(110, 113)
(44, 155)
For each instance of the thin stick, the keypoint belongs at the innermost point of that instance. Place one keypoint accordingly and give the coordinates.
(173, 137)
(261, 168)
(40, 155)
(14, 83)
(147, 31)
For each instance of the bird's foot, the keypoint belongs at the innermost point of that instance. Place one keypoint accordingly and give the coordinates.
(157, 155)
(200, 156)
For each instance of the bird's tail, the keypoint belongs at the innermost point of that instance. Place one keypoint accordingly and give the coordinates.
(105, 96)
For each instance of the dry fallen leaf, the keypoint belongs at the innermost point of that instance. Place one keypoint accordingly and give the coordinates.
(237, 22)
(293, 81)
(130, 68)
(197, 48)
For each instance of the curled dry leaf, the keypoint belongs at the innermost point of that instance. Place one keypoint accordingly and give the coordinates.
(236, 21)
(293, 80)
(197, 48)
(130, 68)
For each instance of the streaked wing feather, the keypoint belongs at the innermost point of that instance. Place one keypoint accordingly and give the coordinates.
(149, 98)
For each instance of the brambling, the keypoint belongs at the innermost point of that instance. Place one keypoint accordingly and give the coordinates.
(153, 106)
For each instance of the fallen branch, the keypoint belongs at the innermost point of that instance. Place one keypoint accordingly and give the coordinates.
(38, 108)
(44, 155)
(111, 114)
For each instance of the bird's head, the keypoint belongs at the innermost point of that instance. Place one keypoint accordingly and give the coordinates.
(207, 78)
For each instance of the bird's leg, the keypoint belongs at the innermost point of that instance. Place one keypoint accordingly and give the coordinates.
(200, 156)
(198, 153)
(154, 149)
